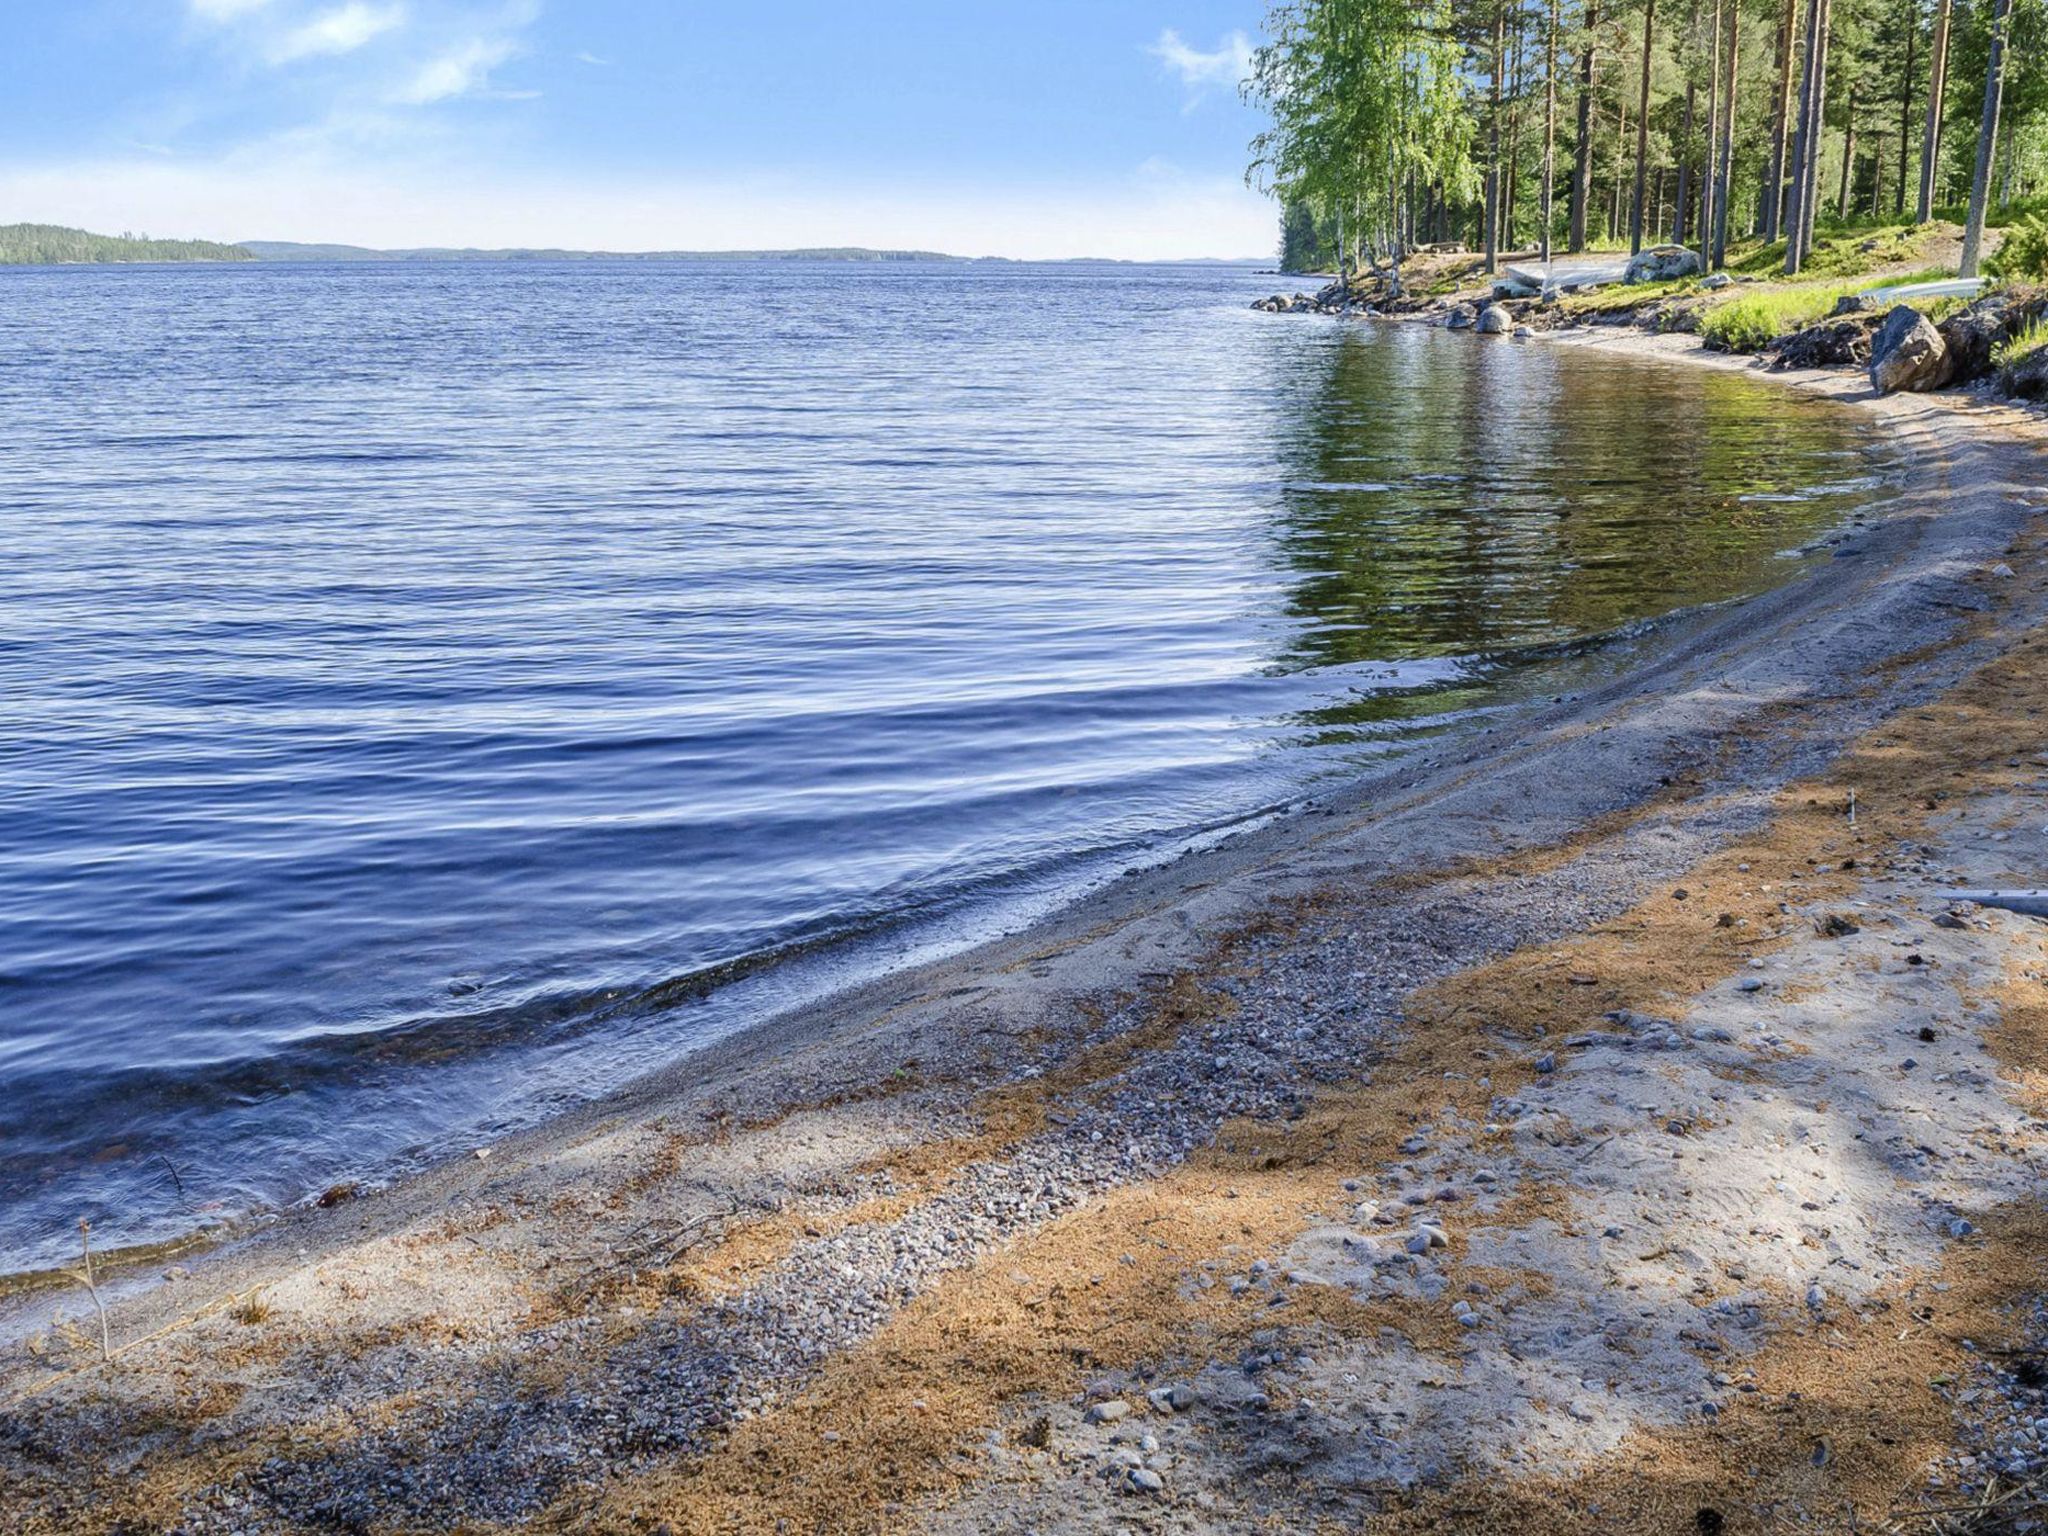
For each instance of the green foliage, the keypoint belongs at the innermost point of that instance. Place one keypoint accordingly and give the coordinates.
(2002, 216)
(1845, 252)
(1364, 96)
(2025, 252)
(1304, 245)
(1619, 298)
(2015, 350)
(1752, 321)
(52, 245)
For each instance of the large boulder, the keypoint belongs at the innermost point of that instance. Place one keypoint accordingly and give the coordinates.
(1493, 321)
(1662, 263)
(1967, 341)
(1907, 353)
(2026, 379)
(1831, 344)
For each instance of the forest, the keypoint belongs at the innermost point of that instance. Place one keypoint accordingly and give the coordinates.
(1577, 125)
(53, 245)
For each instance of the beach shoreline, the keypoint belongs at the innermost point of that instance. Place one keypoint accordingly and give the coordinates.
(735, 1247)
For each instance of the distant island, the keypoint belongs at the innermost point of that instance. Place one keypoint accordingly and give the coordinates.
(291, 250)
(51, 245)
(35, 245)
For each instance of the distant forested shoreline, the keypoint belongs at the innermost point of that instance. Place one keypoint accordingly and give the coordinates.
(291, 250)
(52, 245)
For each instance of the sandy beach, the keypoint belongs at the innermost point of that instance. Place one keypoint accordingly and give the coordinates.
(1601, 1122)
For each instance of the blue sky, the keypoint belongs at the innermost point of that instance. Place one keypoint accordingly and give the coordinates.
(1011, 127)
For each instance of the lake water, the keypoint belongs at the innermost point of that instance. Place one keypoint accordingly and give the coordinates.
(429, 695)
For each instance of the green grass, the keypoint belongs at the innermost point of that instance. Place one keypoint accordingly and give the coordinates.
(2013, 351)
(1842, 253)
(1618, 298)
(1999, 217)
(1751, 321)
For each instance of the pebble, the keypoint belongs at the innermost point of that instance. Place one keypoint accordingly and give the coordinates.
(1145, 1480)
(1111, 1412)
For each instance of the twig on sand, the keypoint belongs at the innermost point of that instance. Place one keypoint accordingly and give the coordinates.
(1995, 1512)
(85, 1277)
(172, 1169)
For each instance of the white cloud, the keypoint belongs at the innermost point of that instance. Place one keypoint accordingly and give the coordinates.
(342, 30)
(593, 59)
(458, 72)
(1230, 63)
(225, 10)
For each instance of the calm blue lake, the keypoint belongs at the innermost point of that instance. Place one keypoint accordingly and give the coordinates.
(433, 694)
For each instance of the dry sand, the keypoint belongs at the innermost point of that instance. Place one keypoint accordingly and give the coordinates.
(1508, 1143)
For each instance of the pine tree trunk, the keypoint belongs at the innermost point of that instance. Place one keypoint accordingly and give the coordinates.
(1802, 144)
(1635, 234)
(1937, 87)
(1493, 186)
(1987, 140)
(1614, 193)
(1679, 223)
(1514, 192)
(1820, 117)
(1724, 171)
(1774, 188)
(1848, 157)
(1706, 229)
(1905, 107)
(1582, 164)
(1549, 129)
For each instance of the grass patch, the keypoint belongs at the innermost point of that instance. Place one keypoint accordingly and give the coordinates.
(1844, 253)
(1619, 297)
(2015, 350)
(1999, 217)
(1750, 322)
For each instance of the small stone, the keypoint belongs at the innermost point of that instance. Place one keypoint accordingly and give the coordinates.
(1145, 1480)
(1960, 1228)
(1112, 1412)
(1750, 984)
(1546, 1064)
